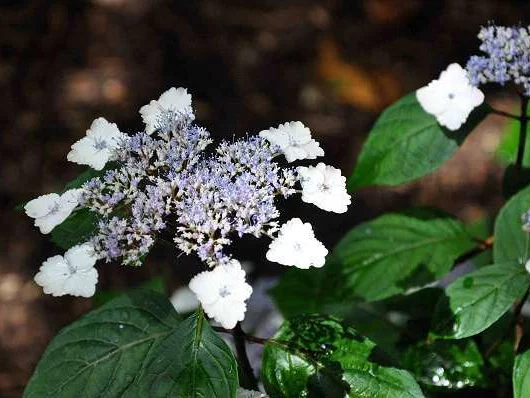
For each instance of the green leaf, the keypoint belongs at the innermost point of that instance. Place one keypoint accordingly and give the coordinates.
(76, 229)
(315, 354)
(136, 346)
(511, 242)
(521, 375)
(475, 301)
(88, 174)
(407, 143)
(446, 365)
(395, 252)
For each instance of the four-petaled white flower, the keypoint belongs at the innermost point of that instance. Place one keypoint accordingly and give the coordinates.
(52, 209)
(222, 293)
(297, 246)
(325, 187)
(72, 274)
(175, 99)
(294, 141)
(451, 98)
(96, 148)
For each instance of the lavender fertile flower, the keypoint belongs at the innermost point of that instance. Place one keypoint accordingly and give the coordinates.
(507, 57)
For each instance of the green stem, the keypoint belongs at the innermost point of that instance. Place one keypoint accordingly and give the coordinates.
(522, 133)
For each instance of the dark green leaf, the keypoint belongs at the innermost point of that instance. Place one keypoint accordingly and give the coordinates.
(446, 365)
(396, 252)
(136, 346)
(511, 242)
(521, 375)
(407, 143)
(87, 175)
(475, 301)
(313, 354)
(76, 229)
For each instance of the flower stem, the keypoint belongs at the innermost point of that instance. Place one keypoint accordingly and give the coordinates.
(248, 380)
(522, 133)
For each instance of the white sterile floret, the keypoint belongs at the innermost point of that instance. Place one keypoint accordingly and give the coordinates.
(175, 99)
(325, 187)
(52, 209)
(222, 293)
(451, 97)
(294, 141)
(96, 148)
(73, 274)
(297, 246)
(184, 300)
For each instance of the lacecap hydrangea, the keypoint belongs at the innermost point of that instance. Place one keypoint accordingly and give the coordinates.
(168, 182)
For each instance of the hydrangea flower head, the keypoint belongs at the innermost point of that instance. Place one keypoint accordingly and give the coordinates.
(97, 147)
(297, 246)
(52, 209)
(450, 98)
(222, 293)
(507, 57)
(175, 99)
(293, 140)
(163, 184)
(73, 274)
(325, 187)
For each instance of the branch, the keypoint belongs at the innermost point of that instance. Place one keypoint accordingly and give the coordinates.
(522, 133)
(248, 379)
(482, 246)
(505, 114)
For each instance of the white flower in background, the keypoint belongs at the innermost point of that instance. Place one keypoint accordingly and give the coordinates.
(451, 98)
(527, 266)
(294, 141)
(176, 99)
(96, 148)
(73, 274)
(222, 293)
(325, 187)
(184, 300)
(297, 246)
(52, 209)
(242, 393)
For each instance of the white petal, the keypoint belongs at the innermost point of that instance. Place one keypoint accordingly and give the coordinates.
(95, 149)
(175, 99)
(451, 98)
(81, 257)
(223, 292)
(325, 187)
(297, 246)
(41, 206)
(52, 275)
(82, 283)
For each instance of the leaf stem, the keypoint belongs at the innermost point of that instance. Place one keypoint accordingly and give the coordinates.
(248, 380)
(523, 119)
(482, 246)
(505, 114)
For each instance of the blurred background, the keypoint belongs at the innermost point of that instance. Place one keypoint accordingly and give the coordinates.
(250, 65)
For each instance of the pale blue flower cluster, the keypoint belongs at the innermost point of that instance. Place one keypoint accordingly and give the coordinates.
(507, 57)
(165, 185)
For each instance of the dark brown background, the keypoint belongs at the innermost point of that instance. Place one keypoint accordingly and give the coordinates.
(249, 65)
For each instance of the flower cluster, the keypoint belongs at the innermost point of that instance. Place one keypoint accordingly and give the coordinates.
(162, 183)
(507, 57)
